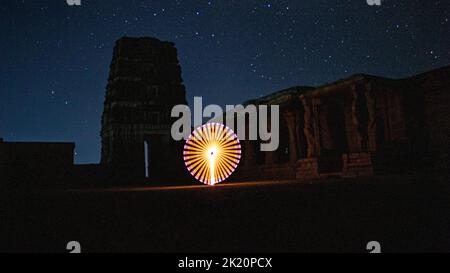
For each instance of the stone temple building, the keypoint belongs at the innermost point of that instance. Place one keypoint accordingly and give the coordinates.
(144, 84)
(360, 126)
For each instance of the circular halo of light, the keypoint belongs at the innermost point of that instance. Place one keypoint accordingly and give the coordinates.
(212, 153)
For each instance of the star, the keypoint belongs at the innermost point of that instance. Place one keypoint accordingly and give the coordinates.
(268, 45)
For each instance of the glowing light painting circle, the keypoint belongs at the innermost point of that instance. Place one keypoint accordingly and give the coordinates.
(212, 153)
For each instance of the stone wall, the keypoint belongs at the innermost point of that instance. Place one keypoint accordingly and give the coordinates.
(35, 164)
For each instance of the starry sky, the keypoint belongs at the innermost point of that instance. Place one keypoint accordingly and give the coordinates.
(54, 58)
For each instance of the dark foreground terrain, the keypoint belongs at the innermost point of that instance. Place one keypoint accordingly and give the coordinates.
(403, 214)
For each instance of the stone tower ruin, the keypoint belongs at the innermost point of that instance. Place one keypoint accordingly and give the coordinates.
(144, 84)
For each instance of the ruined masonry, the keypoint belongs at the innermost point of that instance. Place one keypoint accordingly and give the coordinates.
(144, 84)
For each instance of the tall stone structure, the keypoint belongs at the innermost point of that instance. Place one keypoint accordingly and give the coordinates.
(144, 84)
(360, 126)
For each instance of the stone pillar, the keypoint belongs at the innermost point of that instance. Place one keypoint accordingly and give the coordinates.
(360, 162)
(292, 120)
(359, 119)
(309, 128)
(307, 168)
(355, 120)
(371, 124)
(317, 127)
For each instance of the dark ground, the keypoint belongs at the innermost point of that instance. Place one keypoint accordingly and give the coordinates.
(403, 214)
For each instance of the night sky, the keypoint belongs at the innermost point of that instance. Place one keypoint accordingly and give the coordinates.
(54, 59)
